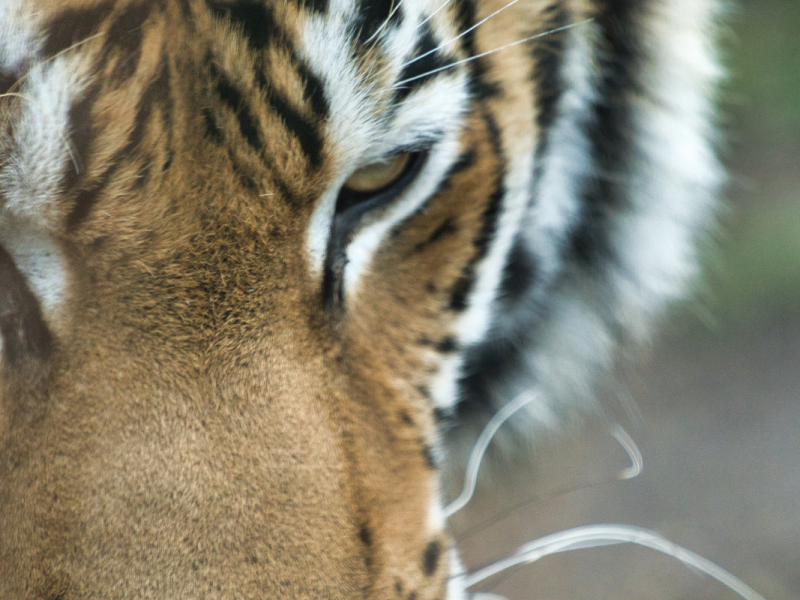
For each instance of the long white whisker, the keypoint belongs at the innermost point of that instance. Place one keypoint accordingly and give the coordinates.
(460, 35)
(480, 447)
(395, 8)
(629, 445)
(488, 52)
(592, 536)
(434, 13)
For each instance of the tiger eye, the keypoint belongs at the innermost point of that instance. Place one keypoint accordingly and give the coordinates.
(376, 176)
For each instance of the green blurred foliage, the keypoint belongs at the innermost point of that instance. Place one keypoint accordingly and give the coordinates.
(765, 62)
(754, 275)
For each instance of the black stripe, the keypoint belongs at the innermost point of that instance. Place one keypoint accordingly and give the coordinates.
(446, 228)
(212, 130)
(372, 14)
(87, 198)
(611, 132)
(548, 58)
(230, 95)
(256, 19)
(157, 92)
(74, 25)
(423, 68)
(480, 86)
(487, 364)
(81, 128)
(464, 285)
(520, 274)
(313, 88)
(186, 9)
(464, 162)
(302, 128)
(430, 558)
(261, 28)
(365, 535)
(461, 289)
(126, 33)
(305, 130)
(428, 457)
(8, 81)
(447, 345)
(22, 326)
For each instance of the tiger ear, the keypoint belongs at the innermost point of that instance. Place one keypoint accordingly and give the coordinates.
(24, 334)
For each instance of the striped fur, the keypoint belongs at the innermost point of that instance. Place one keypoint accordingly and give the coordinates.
(221, 379)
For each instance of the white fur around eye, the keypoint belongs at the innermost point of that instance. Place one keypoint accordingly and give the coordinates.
(364, 245)
(40, 261)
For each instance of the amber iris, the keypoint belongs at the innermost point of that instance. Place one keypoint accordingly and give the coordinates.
(377, 176)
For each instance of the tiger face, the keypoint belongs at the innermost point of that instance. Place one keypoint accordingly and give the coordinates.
(260, 258)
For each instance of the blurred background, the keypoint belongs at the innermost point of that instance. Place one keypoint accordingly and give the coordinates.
(718, 397)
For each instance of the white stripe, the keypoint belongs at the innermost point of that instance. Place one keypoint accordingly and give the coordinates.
(567, 161)
(677, 176)
(16, 35)
(40, 261)
(35, 166)
(473, 323)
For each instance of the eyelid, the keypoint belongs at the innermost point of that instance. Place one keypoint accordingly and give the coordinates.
(359, 202)
(376, 176)
(350, 208)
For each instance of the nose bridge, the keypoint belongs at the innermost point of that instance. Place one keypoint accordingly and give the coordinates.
(276, 456)
(341, 448)
(229, 480)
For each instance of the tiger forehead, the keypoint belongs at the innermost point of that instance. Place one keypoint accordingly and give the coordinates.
(281, 78)
(403, 32)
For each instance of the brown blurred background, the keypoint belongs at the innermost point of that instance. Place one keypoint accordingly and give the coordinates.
(718, 396)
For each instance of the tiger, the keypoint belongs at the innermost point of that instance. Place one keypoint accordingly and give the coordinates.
(266, 264)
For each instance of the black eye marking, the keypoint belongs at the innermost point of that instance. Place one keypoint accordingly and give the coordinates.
(351, 206)
(22, 326)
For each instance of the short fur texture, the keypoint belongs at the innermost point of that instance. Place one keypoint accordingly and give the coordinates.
(218, 379)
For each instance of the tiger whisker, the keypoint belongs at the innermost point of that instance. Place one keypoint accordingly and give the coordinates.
(460, 35)
(480, 447)
(395, 8)
(622, 437)
(628, 444)
(488, 52)
(433, 14)
(593, 536)
(589, 536)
